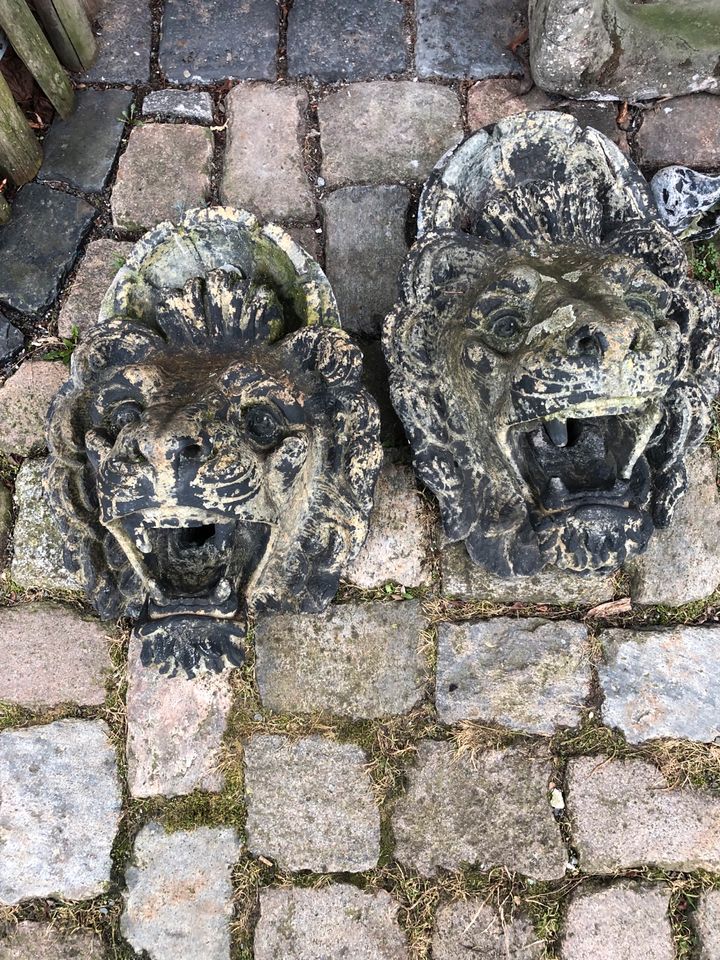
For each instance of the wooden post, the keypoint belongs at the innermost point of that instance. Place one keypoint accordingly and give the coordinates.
(4, 210)
(20, 153)
(30, 44)
(67, 24)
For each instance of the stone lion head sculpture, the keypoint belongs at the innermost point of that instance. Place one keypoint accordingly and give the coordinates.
(214, 452)
(551, 360)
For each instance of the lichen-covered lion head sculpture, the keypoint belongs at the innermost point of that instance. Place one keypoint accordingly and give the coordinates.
(550, 359)
(214, 452)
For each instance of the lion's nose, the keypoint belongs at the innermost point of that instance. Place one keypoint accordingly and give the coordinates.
(191, 449)
(587, 341)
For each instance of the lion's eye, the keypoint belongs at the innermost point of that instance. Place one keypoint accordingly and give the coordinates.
(263, 426)
(125, 413)
(505, 326)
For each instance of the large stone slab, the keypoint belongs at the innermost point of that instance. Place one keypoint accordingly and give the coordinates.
(650, 678)
(335, 923)
(624, 815)
(179, 893)
(194, 105)
(365, 248)
(59, 810)
(208, 40)
(264, 170)
(81, 149)
(50, 654)
(159, 762)
(346, 41)
(463, 38)
(471, 929)
(385, 130)
(356, 660)
(44, 941)
(39, 244)
(11, 340)
(310, 804)
(610, 924)
(706, 923)
(124, 35)
(487, 811)
(685, 131)
(102, 260)
(25, 399)
(531, 675)
(164, 172)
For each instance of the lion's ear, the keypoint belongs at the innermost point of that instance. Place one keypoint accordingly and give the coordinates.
(327, 351)
(441, 262)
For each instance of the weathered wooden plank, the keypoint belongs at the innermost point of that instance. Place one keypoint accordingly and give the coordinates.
(20, 153)
(67, 24)
(31, 45)
(4, 210)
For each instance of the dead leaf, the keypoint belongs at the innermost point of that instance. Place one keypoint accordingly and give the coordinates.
(612, 608)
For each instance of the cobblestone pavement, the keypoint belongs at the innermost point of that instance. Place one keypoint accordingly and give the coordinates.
(444, 765)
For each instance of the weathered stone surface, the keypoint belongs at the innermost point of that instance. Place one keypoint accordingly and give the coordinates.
(50, 654)
(682, 562)
(461, 38)
(624, 816)
(124, 35)
(488, 811)
(179, 104)
(339, 41)
(25, 400)
(310, 804)
(365, 248)
(59, 810)
(164, 172)
(662, 683)
(688, 201)
(386, 130)
(38, 545)
(334, 923)
(179, 894)
(11, 340)
(102, 260)
(462, 578)
(397, 542)
(39, 244)
(531, 674)
(355, 660)
(491, 100)
(264, 170)
(6, 522)
(208, 40)
(706, 922)
(160, 764)
(685, 130)
(43, 941)
(471, 929)
(611, 924)
(600, 116)
(81, 150)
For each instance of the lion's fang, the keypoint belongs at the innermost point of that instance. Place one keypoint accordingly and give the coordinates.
(557, 432)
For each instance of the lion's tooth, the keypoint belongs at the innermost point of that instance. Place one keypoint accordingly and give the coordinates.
(557, 431)
(222, 590)
(557, 487)
(142, 541)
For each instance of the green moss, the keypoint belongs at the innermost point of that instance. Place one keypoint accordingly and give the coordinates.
(706, 265)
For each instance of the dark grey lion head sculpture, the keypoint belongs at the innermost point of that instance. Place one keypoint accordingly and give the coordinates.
(214, 452)
(550, 359)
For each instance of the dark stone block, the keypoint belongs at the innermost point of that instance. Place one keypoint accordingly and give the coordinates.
(207, 40)
(39, 245)
(124, 43)
(464, 38)
(11, 340)
(601, 116)
(81, 150)
(346, 41)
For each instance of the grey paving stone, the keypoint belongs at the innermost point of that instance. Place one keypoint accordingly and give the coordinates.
(38, 561)
(358, 660)
(397, 542)
(310, 804)
(624, 815)
(124, 35)
(491, 100)
(59, 810)
(160, 764)
(682, 562)
(264, 170)
(207, 40)
(179, 893)
(39, 244)
(463, 578)
(619, 922)
(464, 38)
(471, 929)
(44, 941)
(706, 923)
(528, 674)
(662, 683)
(346, 41)
(164, 172)
(6, 522)
(102, 260)
(11, 340)
(365, 248)
(487, 811)
(82, 149)
(179, 104)
(51, 654)
(601, 116)
(386, 130)
(684, 130)
(335, 923)
(24, 403)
